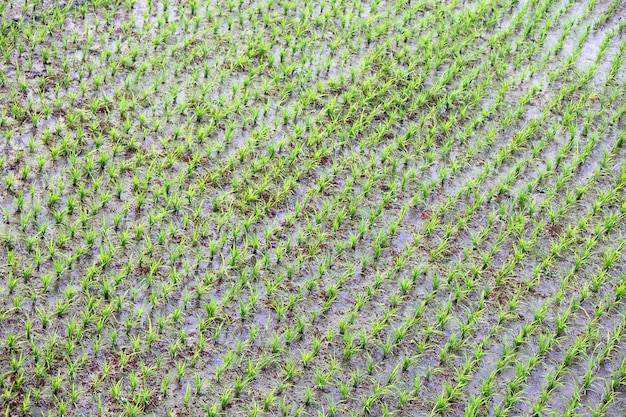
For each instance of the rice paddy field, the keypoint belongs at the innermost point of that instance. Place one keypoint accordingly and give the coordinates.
(312, 208)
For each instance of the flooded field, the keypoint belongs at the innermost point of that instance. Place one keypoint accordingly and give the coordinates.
(296, 208)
